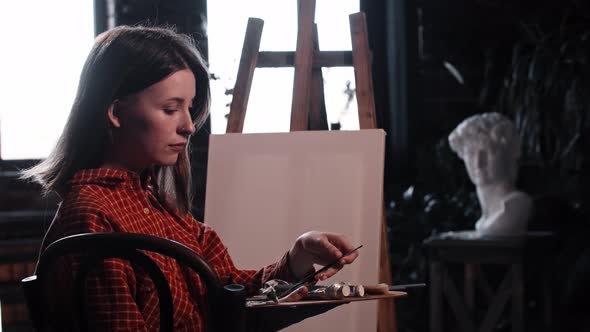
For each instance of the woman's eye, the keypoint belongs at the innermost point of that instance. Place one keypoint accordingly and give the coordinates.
(169, 111)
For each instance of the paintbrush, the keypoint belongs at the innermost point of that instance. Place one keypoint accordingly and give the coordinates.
(311, 276)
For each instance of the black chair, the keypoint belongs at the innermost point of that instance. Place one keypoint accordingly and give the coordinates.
(227, 310)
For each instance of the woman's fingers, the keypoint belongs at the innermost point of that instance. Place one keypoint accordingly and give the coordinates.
(327, 247)
(328, 273)
(349, 258)
(332, 246)
(344, 246)
(295, 295)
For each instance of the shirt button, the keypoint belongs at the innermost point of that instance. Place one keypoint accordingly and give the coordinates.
(146, 210)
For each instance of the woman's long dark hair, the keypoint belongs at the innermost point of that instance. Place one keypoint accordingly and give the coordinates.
(123, 61)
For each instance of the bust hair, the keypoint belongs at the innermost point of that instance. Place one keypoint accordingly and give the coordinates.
(124, 61)
(494, 130)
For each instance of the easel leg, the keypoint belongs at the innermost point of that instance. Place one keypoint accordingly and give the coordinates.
(361, 59)
(517, 298)
(317, 111)
(303, 66)
(237, 113)
(386, 321)
(435, 296)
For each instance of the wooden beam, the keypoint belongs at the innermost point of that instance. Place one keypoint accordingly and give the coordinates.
(436, 294)
(303, 65)
(361, 58)
(318, 120)
(386, 318)
(468, 286)
(517, 304)
(276, 59)
(457, 304)
(498, 305)
(239, 103)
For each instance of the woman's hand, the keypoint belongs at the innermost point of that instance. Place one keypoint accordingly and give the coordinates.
(319, 248)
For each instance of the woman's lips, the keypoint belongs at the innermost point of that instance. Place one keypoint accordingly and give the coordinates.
(178, 147)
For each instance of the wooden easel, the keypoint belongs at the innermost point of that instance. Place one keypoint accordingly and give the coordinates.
(308, 111)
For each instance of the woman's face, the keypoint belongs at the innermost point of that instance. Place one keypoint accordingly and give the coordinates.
(486, 164)
(153, 126)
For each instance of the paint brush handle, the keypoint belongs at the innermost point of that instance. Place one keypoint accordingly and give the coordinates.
(376, 289)
(405, 286)
(385, 288)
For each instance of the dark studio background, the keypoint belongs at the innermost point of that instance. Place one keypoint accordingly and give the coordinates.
(527, 59)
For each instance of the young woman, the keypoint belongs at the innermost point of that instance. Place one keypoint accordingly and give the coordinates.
(121, 165)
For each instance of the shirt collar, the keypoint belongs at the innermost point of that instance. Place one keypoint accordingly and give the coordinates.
(110, 177)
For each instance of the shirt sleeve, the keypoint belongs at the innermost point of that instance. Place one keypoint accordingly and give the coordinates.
(216, 253)
(110, 286)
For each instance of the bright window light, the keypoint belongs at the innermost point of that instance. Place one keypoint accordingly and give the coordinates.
(269, 105)
(45, 44)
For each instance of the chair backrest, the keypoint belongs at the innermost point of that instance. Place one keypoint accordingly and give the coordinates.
(226, 305)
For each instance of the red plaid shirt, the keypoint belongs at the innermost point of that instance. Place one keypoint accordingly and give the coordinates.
(120, 298)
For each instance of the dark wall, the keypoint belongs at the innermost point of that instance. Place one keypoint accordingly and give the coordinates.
(392, 41)
(419, 100)
(452, 59)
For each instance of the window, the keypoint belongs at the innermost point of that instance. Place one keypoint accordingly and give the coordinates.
(269, 105)
(45, 44)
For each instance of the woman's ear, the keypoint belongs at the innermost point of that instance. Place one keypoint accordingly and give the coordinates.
(113, 114)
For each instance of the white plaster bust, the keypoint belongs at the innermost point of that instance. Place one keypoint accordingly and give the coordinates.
(489, 144)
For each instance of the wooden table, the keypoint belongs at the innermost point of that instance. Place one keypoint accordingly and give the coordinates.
(461, 248)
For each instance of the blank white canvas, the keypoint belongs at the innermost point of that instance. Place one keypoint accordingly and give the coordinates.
(264, 190)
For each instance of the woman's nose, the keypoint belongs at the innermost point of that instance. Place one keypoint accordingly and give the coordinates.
(186, 127)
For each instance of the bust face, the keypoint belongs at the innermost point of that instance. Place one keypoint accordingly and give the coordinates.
(486, 164)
